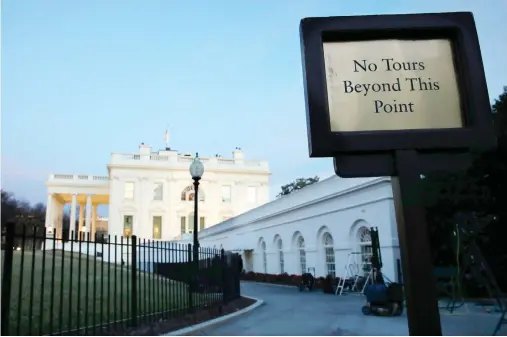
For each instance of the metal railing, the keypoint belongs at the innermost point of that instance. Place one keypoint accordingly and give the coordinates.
(105, 286)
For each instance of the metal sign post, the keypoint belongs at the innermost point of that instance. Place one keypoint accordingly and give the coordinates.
(399, 96)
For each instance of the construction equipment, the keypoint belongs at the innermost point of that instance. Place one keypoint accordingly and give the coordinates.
(472, 260)
(383, 298)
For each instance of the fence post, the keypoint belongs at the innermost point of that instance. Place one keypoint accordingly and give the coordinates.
(190, 270)
(238, 267)
(7, 278)
(134, 280)
(223, 264)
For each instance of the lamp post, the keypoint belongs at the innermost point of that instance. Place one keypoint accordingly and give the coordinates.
(196, 171)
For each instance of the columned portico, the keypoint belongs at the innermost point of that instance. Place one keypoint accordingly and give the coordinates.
(79, 191)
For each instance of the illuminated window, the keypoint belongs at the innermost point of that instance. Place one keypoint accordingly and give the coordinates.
(127, 225)
(188, 194)
(183, 223)
(157, 227)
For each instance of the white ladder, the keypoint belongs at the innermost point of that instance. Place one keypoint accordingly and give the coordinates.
(348, 274)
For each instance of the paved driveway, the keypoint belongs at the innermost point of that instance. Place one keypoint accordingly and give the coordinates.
(286, 311)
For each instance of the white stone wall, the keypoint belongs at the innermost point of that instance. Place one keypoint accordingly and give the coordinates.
(340, 207)
(175, 179)
(146, 168)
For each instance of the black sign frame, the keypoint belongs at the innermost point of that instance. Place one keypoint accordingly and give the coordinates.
(458, 27)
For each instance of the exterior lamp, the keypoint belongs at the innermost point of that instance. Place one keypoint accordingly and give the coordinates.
(196, 172)
(196, 168)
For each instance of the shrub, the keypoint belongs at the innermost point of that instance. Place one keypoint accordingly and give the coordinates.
(327, 284)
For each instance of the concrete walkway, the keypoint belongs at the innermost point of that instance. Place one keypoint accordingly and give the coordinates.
(289, 312)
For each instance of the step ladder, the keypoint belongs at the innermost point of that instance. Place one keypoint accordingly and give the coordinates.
(350, 272)
(481, 271)
(473, 258)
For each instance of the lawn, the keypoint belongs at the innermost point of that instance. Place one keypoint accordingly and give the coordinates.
(80, 292)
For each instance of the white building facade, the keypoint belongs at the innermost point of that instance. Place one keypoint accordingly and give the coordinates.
(151, 194)
(317, 227)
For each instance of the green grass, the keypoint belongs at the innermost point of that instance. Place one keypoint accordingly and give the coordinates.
(102, 291)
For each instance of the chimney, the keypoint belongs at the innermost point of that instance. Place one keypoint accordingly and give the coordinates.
(144, 149)
(238, 156)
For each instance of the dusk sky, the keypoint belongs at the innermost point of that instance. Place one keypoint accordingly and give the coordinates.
(84, 78)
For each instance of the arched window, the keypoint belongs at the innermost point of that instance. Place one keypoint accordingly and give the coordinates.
(279, 246)
(327, 241)
(302, 253)
(188, 194)
(364, 238)
(264, 257)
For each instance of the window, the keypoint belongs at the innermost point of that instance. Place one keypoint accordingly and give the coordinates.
(202, 223)
(327, 241)
(158, 191)
(226, 194)
(188, 194)
(264, 257)
(280, 255)
(129, 190)
(302, 254)
(365, 249)
(252, 194)
(157, 227)
(183, 223)
(127, 225)
(190, 223)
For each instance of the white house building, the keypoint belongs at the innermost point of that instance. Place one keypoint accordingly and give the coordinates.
(316, 227)
(323, 227)
(150, 194)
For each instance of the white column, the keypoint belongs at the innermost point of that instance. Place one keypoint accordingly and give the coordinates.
(60, 220)
(88, 212)
(49, 209)
(94, 222)
(72, 226)
(81, 216)
(81, 221)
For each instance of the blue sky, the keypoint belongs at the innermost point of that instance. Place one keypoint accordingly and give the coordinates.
(84, 78)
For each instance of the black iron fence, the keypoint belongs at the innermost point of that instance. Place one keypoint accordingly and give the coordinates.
(105, 285)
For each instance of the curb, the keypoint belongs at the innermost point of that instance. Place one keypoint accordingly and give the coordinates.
(190, 329)
(280, 285)
(271, 284)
